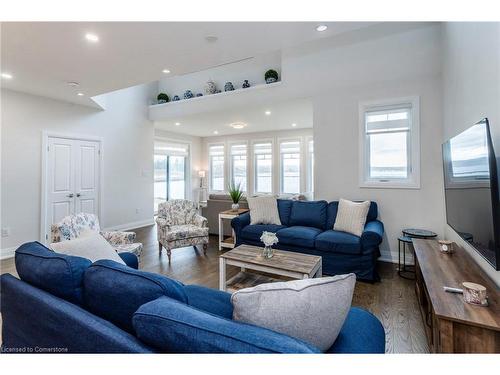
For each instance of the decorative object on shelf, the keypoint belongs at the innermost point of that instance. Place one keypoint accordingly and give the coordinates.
(188, 94)
(218, 91)
(176, 98)
(269, 239)
(162, 98)
(245, 84)
(446, 246)
(475, 294)
(235, 192)
(199, 94)
(210, 88)
(271, 76)
(228, 86)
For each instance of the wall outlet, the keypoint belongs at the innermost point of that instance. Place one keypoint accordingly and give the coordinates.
(6, 232)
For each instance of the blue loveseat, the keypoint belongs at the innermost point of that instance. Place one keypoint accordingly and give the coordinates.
(64, 303)
(307, 227)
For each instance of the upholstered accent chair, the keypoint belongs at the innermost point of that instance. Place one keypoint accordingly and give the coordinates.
(180, 225)
(71, 226)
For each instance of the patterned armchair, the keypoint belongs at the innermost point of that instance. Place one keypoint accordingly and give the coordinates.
(180, 225)
(71, 226)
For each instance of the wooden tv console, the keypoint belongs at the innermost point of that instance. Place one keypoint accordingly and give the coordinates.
(451, 325)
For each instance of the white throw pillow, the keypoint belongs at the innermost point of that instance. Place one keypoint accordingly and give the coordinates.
(313, 310)
(351, 217)
(90, 245)
(264, 210)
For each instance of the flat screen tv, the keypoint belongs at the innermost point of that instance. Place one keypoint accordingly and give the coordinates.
(471, 190)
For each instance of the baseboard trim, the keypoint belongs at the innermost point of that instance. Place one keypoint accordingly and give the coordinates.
(7, 253)
(132, 225)
(390, 257)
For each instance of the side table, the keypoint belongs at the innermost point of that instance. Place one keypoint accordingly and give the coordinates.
(228, 241)
(406, 240)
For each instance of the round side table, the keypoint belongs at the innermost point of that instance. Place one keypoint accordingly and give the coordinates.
(406, 240)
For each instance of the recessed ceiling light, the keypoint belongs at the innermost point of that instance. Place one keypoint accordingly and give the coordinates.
(321, 28)
(216, 132)
(166, 71)
(267, 113)
(177, 124)
(238, 125)
(80, 94)
(211, 38)
(294, 125)
(7, 76)
(91, 37)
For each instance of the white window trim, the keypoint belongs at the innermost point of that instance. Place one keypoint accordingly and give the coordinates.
(309, 171)
(254, 170)
(301, 164)
(230, 161)
(413, 182)
(209, 169)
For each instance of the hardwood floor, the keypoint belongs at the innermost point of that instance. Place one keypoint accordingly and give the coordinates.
(392, 300)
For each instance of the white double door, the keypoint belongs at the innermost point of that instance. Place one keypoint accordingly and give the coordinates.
(72, 172)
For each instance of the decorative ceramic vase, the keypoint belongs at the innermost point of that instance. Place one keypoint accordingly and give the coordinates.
(270, 80)
(235, 207)
(268, 252)
(176, 98)
(245, 84)
(210, 88)
(228, 86)
(188, 94)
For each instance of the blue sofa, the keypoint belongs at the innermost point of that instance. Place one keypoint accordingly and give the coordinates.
(64, 303)
(307, 227)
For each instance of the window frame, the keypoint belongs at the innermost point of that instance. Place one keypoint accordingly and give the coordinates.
(254, 165)
(230, 163)
(301, 162)
(413, 144)
(209, 169)
(187, 167)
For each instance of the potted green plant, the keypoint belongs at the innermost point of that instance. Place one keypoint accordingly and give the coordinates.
(235, 192)
(271, 76)
(162, 98)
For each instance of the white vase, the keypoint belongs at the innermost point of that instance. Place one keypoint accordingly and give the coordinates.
(235, 206)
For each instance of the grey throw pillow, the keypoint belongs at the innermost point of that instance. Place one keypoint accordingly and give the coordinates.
(313, 310)
(351, 216)
(264, 210)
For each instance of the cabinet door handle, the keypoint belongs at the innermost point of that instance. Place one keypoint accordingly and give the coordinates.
(78, 195)
(70, 195)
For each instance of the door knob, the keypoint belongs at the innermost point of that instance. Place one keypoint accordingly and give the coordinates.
(70, 195)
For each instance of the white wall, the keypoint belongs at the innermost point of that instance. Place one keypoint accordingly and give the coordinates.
(127, 156)
(336, 141)
(195, 150)
(275, 137)
(471, 91)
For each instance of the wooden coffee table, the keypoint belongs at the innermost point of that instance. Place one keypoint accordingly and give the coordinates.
(283, 263)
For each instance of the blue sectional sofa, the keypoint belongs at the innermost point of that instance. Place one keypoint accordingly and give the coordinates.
(307, 227)
(64, 304)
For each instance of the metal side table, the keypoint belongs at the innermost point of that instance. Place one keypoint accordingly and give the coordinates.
(407, 271)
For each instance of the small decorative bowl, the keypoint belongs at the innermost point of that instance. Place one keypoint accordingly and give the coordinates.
(176, 98)
(446, 246)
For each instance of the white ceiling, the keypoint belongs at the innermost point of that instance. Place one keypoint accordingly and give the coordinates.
(283, 115)
(44, 56)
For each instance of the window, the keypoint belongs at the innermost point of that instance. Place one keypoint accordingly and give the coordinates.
(290, 167)
(239, 165)
(310, 165)
(390, 144)
(216, 167)
(170, 165)
(263, 167)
